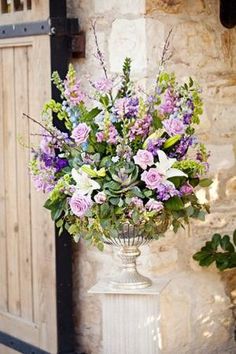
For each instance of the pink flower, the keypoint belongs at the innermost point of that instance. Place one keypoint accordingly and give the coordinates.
(103, 85)
(74, 93)
(137, 202)
(80, 133)
(100, 137)
(153, 204)
(80, 204)
(152, 178)
(112, 135)
(143, 158)
(100, 198)
(174, 126)
(186, 189)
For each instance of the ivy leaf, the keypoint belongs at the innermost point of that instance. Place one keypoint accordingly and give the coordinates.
(226, 244)
(234, 237)
(216, 238)
(174, 203)
(205, 182)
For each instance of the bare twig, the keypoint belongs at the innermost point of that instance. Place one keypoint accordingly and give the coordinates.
(165, 52)
(99, 55)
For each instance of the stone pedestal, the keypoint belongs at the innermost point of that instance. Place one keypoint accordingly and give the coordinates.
(131, 319)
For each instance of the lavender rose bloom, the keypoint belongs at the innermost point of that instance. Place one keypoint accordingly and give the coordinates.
(100, 198)
(143, 158)
(152, 178)
(80, 133)
(80, 204)
(174, 126)
(186, 189)
(153, 204)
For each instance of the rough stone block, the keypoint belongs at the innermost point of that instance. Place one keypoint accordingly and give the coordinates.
(128, 39)
(120, 7)
(169, 6)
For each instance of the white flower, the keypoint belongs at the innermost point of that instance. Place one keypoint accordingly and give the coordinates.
(84, 183)
(164, 167)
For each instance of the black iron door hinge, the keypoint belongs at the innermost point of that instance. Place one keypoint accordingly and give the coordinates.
(56, 26)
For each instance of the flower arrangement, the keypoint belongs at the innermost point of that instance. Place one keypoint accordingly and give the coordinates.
(125, 156)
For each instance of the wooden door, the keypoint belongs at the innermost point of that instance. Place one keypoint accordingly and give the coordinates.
(30, 306)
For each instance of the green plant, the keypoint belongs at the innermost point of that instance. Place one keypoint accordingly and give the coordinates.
(221, 250)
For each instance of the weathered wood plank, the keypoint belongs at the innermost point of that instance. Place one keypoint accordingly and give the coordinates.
(10, 170)
(42, 227)
(3, 259)
(23, 183)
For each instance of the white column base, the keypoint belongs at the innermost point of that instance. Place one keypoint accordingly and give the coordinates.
(131, 319)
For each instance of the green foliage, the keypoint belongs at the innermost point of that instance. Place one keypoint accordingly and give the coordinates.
(220, 250)
(126, 85)
(191, 167)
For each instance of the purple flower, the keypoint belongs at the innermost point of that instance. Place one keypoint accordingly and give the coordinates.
(141, 127)
(44, 181)
(143, 158)
(103, 85)
(47, 159)
(152, 178)
(47, 144)
(186, 189)
(187, 118)
(174, 126)
(182, 147)
(169, 103)
(100, 198)
(153, 145)
(112, 135)
(60, 164)
(80, 204)
(80, 133)
(166, 191)
(127, 107)
(153, 204)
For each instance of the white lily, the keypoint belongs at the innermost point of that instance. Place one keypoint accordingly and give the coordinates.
(84, 183)
(164, 166)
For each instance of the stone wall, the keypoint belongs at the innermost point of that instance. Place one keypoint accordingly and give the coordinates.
(195, 308)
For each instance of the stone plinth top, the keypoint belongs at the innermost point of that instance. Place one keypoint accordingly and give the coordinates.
(103, 287)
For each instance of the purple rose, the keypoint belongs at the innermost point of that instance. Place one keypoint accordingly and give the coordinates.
(100, 198)
(80, 133)
(143, 158)
(153, 204)
(186, 189)
(152, 178)
(80, 204)
(174, 126)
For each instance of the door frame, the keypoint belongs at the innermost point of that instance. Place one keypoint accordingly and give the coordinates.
(61, 52)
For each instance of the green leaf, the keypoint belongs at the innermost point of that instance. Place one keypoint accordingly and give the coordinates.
(226, 244)
(136, 191)
(48, 204)
(89, 116)
(73, 229)
(100, 246)
(206, 182)
(171, 141)
(148, 193)
(216, 238)
(234, 237)
(156, 121)
(114, 201)
(59, 223)
(174, 203)
(104, 210)
(194, 181)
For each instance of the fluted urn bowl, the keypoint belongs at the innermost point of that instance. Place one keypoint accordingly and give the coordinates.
(128, 241)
